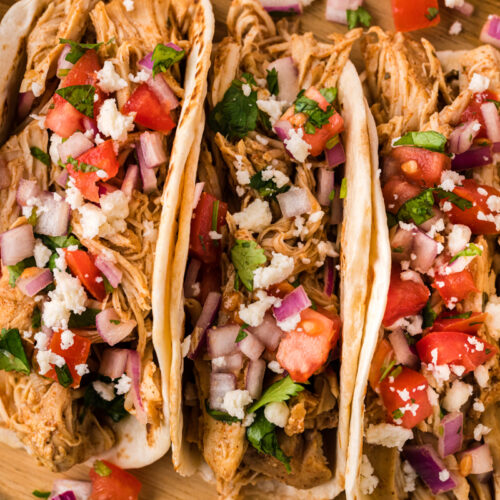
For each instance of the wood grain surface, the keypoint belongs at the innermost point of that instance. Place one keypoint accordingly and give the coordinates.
(19, 474)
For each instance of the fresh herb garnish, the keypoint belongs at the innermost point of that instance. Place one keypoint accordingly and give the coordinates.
(496, 103)
(220, 415)
(316, 116)
(54, 242)
(343, 188)
(458, 201)
(83, 320)
(396, 371)
(428, 315)
(417, 209)
(102, 469)
(246, 257)
(331, 196)
(469, 251)
(241, 333)
(80, 166)
(392, 220)
(282, 390)
(330, 94)
(40, 494)
(108, 287)
(12, 355)
(115, 321)
(431, 140)
(33, 217)
(40, 155)
(17, 269)
(64, 376)
(398, 249)
(78, 49)
(432, 13)
(397, 414)
(215, 213)
(237, 113)
(465, 315)
(36, 318)
(272, 81)
(386, 369)
(81, 97)
(163, 57)
(115, 408)
(357, 17)
(266, 188)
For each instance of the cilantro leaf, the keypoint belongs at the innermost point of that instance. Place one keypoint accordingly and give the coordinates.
(108, 287)
(17, 269)
(36, 318)
(246, 257)
(432, 13)
(64, 376)
(237, 113)
(78, 49)
(385, 369)
(431, 140)
(81, 97)
(465, 315)
(83, 320)
(329, 93)
(81, 166)
(316, 116)
(343, 188)
(272, 81)
(220, 415)
(40, 494)
(41, 155)
(262, 436)
(242, 334)
(101, 468)
(397, 414)
(266, 188)
(163, 57)
(115, 408)
(497, 103)
(470, 250)
(12, 355)
(282, 390)
(429, 315)
(391, 220)
(458, 201)
(54, 242)
(357, 17)
(418, 209)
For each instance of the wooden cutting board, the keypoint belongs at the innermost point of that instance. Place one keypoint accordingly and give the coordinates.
(19, 474)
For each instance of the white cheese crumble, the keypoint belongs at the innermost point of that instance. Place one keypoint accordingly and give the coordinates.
(253, 314)
(388, 435)
(109, 80)
(214, 235)
(493, 203)
(185, 346)
(55, 141)
(235, 402)
(247, 90)
(112, 123)
(271, 107)
(37, 89)
(289, 323)
(450, 179)
(278, 177)
(478, 405)
(279, 269)
(455, 28)
(277, 413)
(141, 77)
(481, 430)
(493, 318)
(129, 5)
(452, 4)
(409, 477)
(74, 196)
(149, 233)
(92, 218)
(248, 420)
(67, 339)
(41, 341)
(243, 177)
(481, 375)
(123, 385)
(115, 207)
(255, 217)
(458, 238)
(444, 475)
(367, 480)
(275, 367)
(297, 147)
(82, 369)
(42, 253)
(104, 390)
(457, 395)
(479, 83)
(46, 359)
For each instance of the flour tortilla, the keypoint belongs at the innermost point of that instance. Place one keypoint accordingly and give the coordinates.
(356, 235)
(132, 449)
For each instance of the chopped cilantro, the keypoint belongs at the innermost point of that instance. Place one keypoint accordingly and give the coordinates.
(391, 220)
(80, 166)
(496, 103)
(114, 409)
(36, 318)
(54, 242)
(331, 196)
(418, 209)
(316, 116)
(329, 93)
(215, 213)
(115, 321)
(78, 49)
(272, 81)
(357, 17)
(242, 334)
(246, 257)
(108, 287)
(17, 269)
(64, 376)
(266, 188)
(81, 97)
(12, 355)
(458, 201)
(465, 315)
(398, 249)
(163, 57)
(102, 469)
(468, 251)
(282, 390)
(396, 371)
(397, 414)
(432, 13)
(431, 140)
(220, 415)
(40, 494)
(386, 369)
(429, 315)
(343, 188)
(40, 155)
(85, 319)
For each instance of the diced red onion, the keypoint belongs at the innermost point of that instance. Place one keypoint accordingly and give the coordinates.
(62, 178)
(36, 282)
(147, 62)
(53, 220)
(61, 62)
(425, 249)
(294, 202)
(163, 92)
(451, 433)
(474, 157)
(281, 128)
(17, 244)
(221, 340)
(24, 104)
(288, 82)
(255, 377)
(207, 316)
(81, 489)
(152, 149)
(66, 495)
(466, 9)
(293, 303)
(491, 120)
(482, 461)
(130, 181)
(134, 372)
(251, 347)
(174, 46)
(148, 176)
(191, 277)
(113, 362)
(325, 186)
(74, 146)
(404, 354)
(89, 124)
(198, 189)
(491, 31)
(336, 155)
(329, 276)
(231, 363)
(336, 10)
(27, 190)
(462, 138)
(426, 226)
(220, 384)
(109, 332)
(426, 462)
(284, 6)
(268, 332)
(401, 244)
(110, 270)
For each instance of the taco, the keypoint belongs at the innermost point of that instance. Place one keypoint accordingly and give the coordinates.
(428, 377)
(105, 96)
(274, 227)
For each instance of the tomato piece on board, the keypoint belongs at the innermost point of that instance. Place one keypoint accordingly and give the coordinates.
(473, 110)
(207, 217)
(115, 485)
(74, 355)
(411, 15)
(149, 111)
(474, 216)
(421, 165)
(397, 192)
(383, 360)
(454, 348)
(63, 118)
(82, 266)
(405, 397)
(471, 325)
(405, 298)
(103, 157)
(454, 287)
(304, 350)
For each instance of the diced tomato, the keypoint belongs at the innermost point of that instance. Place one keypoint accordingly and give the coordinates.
(205, 220)
(118, 485)
(383, 359)
(454, 287)
(470, 325)
(149, 112)
(473, 110)
(469, 216)
(454, 348)
(304, 350)
(74, 355)
(210, 280)
(314, 94)
(405, 397)
(405, 298)
(397, 192)
(63, 118)
(82, 266)
(421, 165)
(411, 15)
(103, 157)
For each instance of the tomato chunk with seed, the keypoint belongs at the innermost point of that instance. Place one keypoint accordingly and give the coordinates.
(454, 287)
(82, 266)
(472, 324)
(117, 485)
(397, 192)
(405, 397)
(305, 350)
(411, 15)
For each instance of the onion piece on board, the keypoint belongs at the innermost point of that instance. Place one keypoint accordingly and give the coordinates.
(17, 244)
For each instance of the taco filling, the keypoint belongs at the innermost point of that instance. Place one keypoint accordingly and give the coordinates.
(80, 207)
